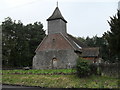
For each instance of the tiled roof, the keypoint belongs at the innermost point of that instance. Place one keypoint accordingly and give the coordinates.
(56, 15)
(55, 42)
(81, 44)
(59, 41)
(90, 52)
(86, 51)
(76, 46)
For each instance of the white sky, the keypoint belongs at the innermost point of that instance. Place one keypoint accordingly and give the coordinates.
(84, 17)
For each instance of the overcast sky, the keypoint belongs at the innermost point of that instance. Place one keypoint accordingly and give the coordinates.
(84, 17)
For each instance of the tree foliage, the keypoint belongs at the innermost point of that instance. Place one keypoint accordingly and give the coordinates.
(113, 36)
(82, 67)
(20, 41)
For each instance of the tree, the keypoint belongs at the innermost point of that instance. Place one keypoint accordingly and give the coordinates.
(113, 36)
(7, 39)
(89, 41)
(20, 42)
(82, 39)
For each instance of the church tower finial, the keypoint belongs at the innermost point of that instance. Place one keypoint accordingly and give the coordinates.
(57, 3)
(119, 5)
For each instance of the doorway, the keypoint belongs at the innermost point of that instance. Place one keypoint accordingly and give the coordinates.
(54, 63)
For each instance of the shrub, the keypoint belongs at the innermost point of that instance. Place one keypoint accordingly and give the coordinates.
(82, 67)
(93, 69)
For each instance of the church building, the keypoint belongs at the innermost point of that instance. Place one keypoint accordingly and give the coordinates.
(58, 49)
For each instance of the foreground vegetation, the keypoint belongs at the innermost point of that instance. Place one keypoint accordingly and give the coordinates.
(58, 78)
(60, 81)
(47, 71)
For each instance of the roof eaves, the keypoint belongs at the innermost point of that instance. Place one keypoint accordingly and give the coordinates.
(56, 19)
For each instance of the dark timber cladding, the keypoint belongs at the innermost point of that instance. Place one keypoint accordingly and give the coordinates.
(59, 49)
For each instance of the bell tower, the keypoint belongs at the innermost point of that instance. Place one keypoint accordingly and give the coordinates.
(56, 23)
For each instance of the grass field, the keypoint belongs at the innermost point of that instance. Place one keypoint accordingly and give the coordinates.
(58, 81)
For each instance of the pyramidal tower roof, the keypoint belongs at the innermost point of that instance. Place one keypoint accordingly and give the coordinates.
(56, 15)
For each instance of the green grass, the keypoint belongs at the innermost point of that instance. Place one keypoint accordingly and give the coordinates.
(48, 71)
(61, 81)
(32, 78)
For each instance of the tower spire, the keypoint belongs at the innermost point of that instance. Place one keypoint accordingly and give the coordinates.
(56, 15)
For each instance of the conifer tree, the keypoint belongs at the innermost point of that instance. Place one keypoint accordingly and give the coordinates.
(113, 36)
